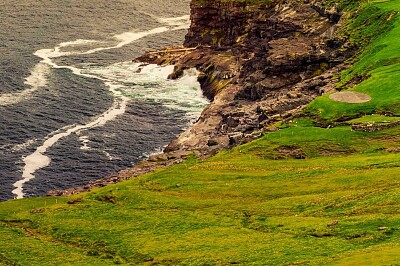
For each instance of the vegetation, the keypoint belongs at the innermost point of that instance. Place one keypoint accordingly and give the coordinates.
(299, 196)
(256, 203)
(378, 65)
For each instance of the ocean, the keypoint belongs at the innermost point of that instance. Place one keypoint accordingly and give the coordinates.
(74, 107)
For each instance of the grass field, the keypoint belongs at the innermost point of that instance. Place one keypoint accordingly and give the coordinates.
(379, 62)
(302, 195)
(249, 205)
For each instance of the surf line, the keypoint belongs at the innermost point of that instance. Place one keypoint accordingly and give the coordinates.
(38, 159)
(39, 73)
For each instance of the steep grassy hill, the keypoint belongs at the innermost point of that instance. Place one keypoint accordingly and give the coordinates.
(378, 63)
(302, 195)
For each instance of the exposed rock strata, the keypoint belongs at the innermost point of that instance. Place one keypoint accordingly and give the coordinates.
(259, 64)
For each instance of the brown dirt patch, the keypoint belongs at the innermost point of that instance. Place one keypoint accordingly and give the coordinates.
(350, 97)
(285, 152)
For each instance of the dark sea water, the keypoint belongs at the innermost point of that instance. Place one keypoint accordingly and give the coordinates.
(73, 107)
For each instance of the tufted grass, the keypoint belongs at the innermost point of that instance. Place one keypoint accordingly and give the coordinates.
(298, 196)
(242, 206)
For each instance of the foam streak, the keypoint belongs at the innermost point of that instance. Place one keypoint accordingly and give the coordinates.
(36, 80)
(38, 159)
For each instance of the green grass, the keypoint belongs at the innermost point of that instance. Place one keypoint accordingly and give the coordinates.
(379, 62)
(241, 206)
(374, 119)
(298, 196)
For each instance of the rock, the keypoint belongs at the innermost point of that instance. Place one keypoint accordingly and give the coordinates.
(333, 223)
(212, 142)
(41, 210)
(256, 77)
(234, 138)
(178, 72)
(73, 201)
(258, 64)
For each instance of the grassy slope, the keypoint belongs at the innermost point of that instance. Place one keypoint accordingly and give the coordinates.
(255, 204)
(240, 206)
(380, 62)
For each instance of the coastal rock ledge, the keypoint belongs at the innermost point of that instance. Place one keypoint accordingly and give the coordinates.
(260, 63)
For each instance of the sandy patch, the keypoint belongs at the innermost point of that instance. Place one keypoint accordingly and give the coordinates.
(350, 97)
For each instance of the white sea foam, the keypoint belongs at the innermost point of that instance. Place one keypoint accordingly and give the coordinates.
(109, 156)
(77, 42)
(85, 140)
(127, 38)
(38, 159)
(174, 21)
(36, 80)
(150, 83)
(23, 146)
(38, 76)
(178, 21)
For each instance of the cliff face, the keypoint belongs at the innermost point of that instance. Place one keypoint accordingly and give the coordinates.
(260, 63)
(216, 23)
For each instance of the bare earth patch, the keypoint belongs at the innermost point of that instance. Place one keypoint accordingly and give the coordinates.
(350, 97)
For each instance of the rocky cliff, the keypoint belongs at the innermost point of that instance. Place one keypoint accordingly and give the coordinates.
(260, 63)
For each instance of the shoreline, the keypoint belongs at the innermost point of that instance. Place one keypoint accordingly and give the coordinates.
(253, 81)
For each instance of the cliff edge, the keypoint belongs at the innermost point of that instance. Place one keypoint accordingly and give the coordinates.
(259, 63)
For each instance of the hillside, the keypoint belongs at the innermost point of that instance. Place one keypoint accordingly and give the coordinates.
(320, 187)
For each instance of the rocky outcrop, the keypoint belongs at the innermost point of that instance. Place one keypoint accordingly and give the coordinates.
(260, 64)
(217, 23)
(372, 127)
